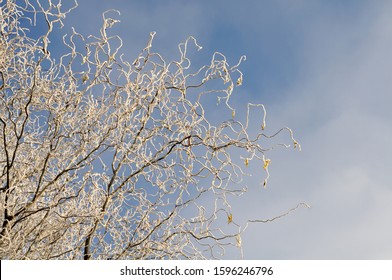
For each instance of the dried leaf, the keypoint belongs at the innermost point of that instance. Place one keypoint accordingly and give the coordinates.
(266, 163)
(229, 218)
(84, 78)
(239, 81)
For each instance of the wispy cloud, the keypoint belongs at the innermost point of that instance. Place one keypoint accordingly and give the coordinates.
(339, 107)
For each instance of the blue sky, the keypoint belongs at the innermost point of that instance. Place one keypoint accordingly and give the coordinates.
(323, 68)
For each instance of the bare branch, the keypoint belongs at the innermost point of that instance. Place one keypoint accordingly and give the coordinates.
(101, 158)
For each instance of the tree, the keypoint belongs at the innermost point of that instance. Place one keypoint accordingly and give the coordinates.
(102, 158)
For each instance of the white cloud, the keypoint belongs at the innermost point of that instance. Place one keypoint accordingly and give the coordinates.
(340, 110)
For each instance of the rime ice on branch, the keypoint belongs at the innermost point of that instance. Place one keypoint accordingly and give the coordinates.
(102, 158)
